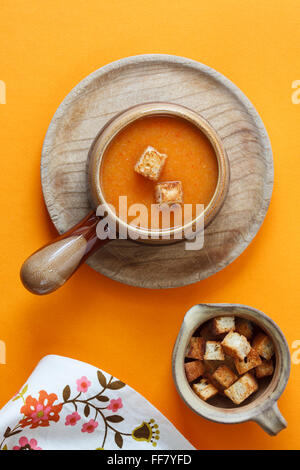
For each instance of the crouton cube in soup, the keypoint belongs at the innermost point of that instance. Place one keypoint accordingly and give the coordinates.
(186, 155)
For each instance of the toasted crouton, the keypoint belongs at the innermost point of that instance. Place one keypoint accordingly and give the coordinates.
(213, 351)
(213, 381)
(150, 164)
(236, 345)
(196, 348)
(169, 192)
(251, 360)
(263, 345)
(193, 370)
(221, 325)
(244, 327)
(264, 369)
(241, 389)
(205, 390)
(224, 376)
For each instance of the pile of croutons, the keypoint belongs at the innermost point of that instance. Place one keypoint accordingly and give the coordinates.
(227, 358)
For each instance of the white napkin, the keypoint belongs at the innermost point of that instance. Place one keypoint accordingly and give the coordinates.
(67, 404)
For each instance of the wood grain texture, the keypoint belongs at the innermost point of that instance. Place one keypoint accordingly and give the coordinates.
(154, 77)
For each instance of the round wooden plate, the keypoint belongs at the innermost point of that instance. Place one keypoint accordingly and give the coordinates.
(156, 77)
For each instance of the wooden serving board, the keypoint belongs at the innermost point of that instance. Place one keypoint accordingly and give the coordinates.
(154, 77)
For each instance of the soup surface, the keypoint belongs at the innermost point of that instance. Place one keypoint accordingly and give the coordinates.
(191, 159)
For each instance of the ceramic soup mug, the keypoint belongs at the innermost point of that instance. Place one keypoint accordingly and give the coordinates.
(260, 407)
(48, 268)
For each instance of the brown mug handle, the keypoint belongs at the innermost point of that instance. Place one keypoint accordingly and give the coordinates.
(52, 265)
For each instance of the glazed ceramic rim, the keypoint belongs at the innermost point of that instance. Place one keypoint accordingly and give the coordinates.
(128, 116)
(269, 396)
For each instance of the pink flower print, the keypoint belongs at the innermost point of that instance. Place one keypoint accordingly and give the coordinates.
(90, 426)
(115, 405)
(40, 413)
(72, 419)
(24, 444)
(83, 384)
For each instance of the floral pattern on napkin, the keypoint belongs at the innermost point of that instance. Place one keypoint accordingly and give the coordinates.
(105, 410)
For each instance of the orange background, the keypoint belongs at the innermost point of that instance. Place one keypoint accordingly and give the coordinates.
(46, 48)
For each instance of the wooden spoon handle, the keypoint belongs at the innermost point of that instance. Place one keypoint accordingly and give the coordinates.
(52, 265)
